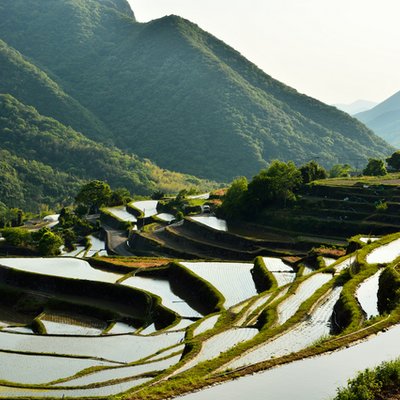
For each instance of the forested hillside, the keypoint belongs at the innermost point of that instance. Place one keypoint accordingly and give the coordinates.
(169, 91)
(44, 162)
(29, 84)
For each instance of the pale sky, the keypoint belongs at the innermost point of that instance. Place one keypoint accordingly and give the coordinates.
(337, 51)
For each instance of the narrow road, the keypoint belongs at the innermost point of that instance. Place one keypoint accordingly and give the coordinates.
(116, 241)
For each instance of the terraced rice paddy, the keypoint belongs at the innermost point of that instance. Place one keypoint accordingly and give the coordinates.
(119, 349)
(163, 354)
(347, 263)
(219, 344)
(369, 239)
(165, 217)
(78, 252)
(276, 265)
(64, 267)
(385, 254)
(181, 325)
(121, 372)
(161, 288)
(122, 214)
(97, 246)
(308, 270)
(303, 335)
(283, 273)
(40, 369)
(233, 280)
(61, 363)
(121, 328)
(315, 378)
(212, 222)
(58, 328)
(367, 295)
(262, 300)
(206, 325)
(147, 207)
(288, 307)
(9, 393)
(329, 261)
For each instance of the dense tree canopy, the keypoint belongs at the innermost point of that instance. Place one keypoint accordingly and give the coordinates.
(45, 162)
(275, 184)
(312, 171)
(340, 171)
(94, 195)
(235, 198)
(165, 90)
(375, 167)
(394, 161)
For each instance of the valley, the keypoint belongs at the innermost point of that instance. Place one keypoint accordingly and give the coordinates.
(177, 223)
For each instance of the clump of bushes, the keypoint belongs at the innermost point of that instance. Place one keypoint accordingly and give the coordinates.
(378, 383)
(389, 290)
(44, 241)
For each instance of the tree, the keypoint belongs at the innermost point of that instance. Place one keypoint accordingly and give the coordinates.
(394, 161)
(157, 195)
(234, 199)
(120, 196)
(49, 244)
(17, 236)
(94, 195)
(375, 167)
(340, 171)
(312, 171)
(275, 184)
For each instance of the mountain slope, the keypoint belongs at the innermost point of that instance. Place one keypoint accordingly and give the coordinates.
(22, 79)
(384, 119)
(177, 95)
(43, 161)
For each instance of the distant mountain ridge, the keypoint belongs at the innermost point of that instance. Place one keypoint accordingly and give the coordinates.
(356, 106)
(168, 91)
(384, 119)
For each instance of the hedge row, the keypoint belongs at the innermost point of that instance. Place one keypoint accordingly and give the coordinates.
(262, 277)
(197, 292)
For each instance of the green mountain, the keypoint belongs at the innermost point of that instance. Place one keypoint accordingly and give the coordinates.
(31, 85)
(170, 92)
(45, 162)
(384, 119)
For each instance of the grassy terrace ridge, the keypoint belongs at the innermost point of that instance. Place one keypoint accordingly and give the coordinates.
(392, 178)
(169, 383)
(340, 208)
(200, 376)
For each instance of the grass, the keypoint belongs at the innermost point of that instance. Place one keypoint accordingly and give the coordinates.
(212, 371)
(202, 375)
(373, 180)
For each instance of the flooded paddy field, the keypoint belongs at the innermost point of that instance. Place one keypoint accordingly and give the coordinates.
(83, 357)
(233, 280)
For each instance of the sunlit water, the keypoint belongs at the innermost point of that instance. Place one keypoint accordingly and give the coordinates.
(367, 295)
(311, 379)
(61, 266)
(212, 222)
(233, 280)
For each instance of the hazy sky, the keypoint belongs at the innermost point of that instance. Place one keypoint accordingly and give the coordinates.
(335, 50)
